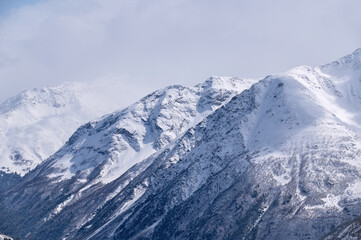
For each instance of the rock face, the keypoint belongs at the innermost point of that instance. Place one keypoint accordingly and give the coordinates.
(227, 159)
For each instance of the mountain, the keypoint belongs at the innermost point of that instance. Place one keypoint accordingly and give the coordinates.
(101, 151)
(228, 159)
(36, 123)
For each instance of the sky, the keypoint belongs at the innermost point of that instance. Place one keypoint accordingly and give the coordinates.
(150, 44)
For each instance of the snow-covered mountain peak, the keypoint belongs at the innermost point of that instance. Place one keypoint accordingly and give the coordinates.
(300, 69)
(59, 96)
(345, 65)
(216, 89)
(230, 83)
(357, 52)
(338, 95)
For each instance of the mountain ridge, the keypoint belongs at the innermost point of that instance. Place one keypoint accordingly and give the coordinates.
(271, 159)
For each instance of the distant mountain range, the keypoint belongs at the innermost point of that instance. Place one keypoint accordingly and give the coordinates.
(230, 158)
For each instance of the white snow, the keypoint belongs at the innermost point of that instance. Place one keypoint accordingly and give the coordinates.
(353, 191)
(123, 161)
(2, 237)
(329, 202)
(282, 179)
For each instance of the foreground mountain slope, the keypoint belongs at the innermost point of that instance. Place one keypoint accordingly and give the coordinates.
(36, 123)
(101, 151)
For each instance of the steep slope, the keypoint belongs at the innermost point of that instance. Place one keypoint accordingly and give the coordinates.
(36, 123)
(101, 152)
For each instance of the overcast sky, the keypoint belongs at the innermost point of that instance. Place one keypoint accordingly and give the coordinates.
(155, 43)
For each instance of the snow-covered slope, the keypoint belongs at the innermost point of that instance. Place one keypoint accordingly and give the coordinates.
(5, 237)
(36, 123)
(280, 160)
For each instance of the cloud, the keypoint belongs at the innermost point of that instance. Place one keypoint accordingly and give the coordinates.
(157, 43)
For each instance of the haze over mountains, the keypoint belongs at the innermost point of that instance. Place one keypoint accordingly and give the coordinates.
(230, 158)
